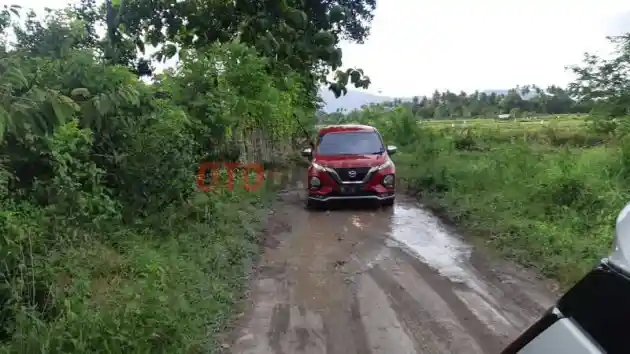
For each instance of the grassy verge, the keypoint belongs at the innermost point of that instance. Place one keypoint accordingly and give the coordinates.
(106, 245)
(165, 286)
(551, 208)
(547, 203)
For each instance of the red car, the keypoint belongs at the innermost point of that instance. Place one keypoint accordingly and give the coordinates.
(350, 162)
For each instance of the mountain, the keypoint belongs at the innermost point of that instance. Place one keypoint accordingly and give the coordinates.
(354, 99)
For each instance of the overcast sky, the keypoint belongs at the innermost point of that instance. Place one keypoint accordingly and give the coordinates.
(418, 46)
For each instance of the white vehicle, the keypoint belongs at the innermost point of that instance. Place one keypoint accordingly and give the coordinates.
(594, 315)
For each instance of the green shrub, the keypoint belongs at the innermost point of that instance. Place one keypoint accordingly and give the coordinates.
(107, 245)
(549, 201)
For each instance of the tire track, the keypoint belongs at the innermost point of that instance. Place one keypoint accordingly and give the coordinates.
(335, 283)
(346, 334)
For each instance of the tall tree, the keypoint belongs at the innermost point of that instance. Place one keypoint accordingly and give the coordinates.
(300, 35)
(606, 82)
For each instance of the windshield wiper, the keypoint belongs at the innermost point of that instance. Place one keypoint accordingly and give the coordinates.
(378, 152)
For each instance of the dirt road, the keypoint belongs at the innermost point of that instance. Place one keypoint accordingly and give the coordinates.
(380, 282)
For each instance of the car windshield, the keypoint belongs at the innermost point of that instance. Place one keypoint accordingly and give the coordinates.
(350, 143)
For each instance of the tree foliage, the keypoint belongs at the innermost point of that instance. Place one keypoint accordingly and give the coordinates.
(605, 83)
(106, 244)
(302, 36)
(517, 102)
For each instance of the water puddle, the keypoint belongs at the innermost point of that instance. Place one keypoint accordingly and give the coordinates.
(486, 313)
(422, 233)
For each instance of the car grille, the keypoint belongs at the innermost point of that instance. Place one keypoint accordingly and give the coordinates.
(344, 173)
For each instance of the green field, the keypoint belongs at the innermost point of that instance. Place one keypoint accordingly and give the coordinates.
(565, 122)
(545, 194)
(553, 130)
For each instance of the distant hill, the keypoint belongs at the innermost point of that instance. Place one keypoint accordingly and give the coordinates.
(355, 99)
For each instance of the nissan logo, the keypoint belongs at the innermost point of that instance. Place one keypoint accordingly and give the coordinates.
(352, 174)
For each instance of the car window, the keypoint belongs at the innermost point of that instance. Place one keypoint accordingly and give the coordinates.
(350, 143)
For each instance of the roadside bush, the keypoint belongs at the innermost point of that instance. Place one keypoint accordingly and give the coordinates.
(156, 169)
(546, 203)
(106, 244)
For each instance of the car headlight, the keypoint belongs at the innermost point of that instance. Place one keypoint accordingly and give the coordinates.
(318, 167)
(385, 165)
(315, 182)
(388, 180)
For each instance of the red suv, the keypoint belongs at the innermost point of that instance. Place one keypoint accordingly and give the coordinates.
(350, 162)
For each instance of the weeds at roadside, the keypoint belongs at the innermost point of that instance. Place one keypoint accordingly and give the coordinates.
(106, 246)
(548, 200)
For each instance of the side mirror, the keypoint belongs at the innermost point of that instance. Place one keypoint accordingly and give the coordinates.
(391, 149)
(308, 152)
(620, 256)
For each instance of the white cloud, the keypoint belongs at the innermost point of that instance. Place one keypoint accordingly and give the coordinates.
(418, 46)
(421, 45)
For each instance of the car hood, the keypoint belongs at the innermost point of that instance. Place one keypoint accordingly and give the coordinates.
(350, 161)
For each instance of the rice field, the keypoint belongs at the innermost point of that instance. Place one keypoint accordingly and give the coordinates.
(553, 130)
(572, 122)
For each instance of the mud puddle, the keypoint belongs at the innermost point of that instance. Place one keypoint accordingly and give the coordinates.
(380, 282)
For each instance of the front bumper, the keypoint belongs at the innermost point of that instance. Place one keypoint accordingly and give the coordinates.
(370, 191)
(338, 185)
(376, 197)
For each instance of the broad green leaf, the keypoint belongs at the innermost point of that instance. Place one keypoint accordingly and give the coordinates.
(61, 112)
(81, 91)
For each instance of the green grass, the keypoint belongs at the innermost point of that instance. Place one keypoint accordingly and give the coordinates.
(546, 208)
(546, 198)
(561, 121)
(168, 285)
(573, 130)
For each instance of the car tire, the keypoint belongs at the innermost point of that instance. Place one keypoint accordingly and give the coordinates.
(388, 203)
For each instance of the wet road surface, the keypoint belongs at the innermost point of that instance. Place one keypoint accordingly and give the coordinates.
(380, 282)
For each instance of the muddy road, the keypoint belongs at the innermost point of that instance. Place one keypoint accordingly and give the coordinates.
(379, 281)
